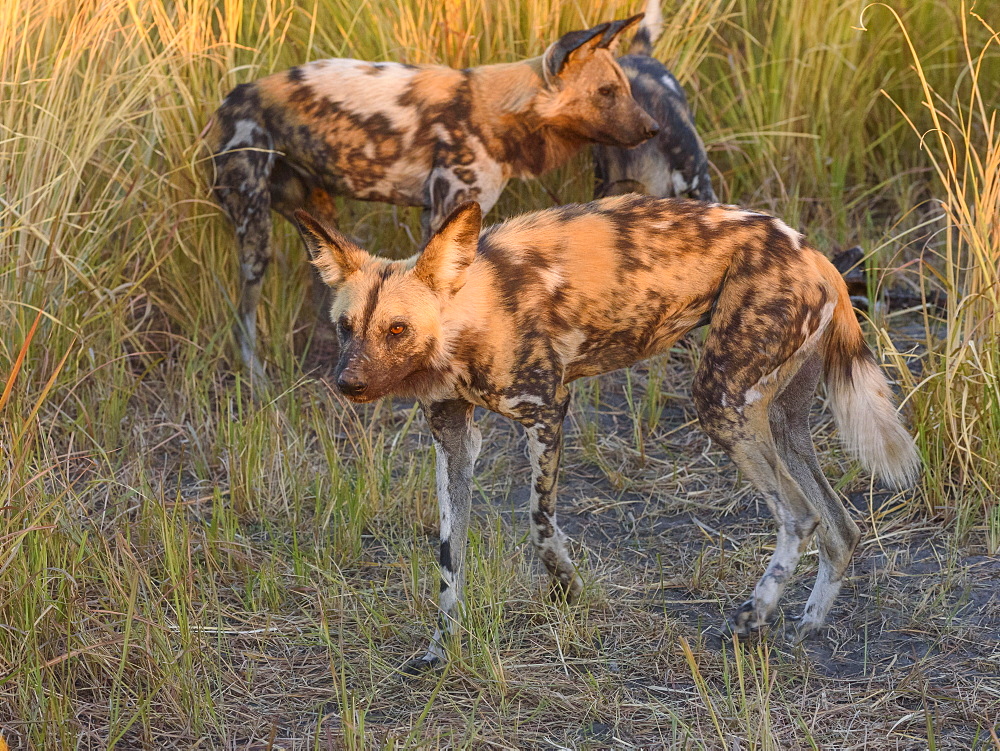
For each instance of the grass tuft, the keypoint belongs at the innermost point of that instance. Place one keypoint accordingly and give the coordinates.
(181, 565)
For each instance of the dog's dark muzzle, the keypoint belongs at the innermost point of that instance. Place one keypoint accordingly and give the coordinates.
(352, 385)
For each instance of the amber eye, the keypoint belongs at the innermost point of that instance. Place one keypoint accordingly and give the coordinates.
(396, 329)
(606, 91)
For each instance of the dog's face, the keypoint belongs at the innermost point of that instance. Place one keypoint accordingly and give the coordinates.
(388, 313)
(589, 94)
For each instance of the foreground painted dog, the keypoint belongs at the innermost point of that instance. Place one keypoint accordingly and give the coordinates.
(507, 319)
(672, 163)
(426, 136)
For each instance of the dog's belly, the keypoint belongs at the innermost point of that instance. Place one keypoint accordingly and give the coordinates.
(620, 348)
(356, 173)
(403, 185)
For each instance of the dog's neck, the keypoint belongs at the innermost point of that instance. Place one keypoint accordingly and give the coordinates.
(506, 97)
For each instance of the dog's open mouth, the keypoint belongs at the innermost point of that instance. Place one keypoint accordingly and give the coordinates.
(362, 398)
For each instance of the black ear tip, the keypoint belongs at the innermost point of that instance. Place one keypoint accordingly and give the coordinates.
(617, 27)
(466, 208)
(303, 218)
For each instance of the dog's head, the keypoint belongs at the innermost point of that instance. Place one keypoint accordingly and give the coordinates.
(588, 93)
(389, 313)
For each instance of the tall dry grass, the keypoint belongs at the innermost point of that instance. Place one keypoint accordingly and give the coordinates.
(153, 516)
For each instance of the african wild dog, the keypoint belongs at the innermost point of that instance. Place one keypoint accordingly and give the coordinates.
(674, 163)
(426, 136)
(508, 319)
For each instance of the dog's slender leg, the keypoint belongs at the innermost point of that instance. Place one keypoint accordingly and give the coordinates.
(837, 532)
(242, 189)
(425, 225)
(320, 204)
(253, 234)
(544, 430)
(758, 459)
(457, 441)
(745, 433)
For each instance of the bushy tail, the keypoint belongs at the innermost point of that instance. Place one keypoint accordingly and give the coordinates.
(862, 402)
(649, 30)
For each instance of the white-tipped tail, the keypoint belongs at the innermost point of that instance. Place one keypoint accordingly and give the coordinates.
(860, 397)
(869, 424)
(649, 30)
(652, 20)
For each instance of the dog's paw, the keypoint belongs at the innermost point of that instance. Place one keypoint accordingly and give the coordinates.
(418, 666)
(566, 588)
(802, 630)
(744, 621)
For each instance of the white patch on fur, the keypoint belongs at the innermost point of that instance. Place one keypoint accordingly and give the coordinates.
(441, 133)
(739, 214)
(551, 278)
(680, 184)
(568, 345)
(489, 181)
(510, 404)
(535, 449)
(793, 236)
(786, 556)
(825, 316)
(243, 133)
(436, 651)
(444, 496)
(669, 82)
(352, 83)
(665, 183)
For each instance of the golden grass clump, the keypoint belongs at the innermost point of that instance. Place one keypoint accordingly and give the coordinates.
(183, 565)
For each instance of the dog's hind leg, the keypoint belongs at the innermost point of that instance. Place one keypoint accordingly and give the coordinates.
(457, 441)
(242, 170)
(737, 419)
(837, 533)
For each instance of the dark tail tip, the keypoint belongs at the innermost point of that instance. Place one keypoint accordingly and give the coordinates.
(641, 44)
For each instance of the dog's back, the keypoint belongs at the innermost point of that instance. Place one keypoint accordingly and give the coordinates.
(358, 128)
(608, 283)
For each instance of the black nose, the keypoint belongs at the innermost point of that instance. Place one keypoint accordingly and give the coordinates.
(652, 130)
(351, 385)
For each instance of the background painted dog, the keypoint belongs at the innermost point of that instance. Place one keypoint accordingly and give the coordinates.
(426, 136)
(674, 162)
(506, 320)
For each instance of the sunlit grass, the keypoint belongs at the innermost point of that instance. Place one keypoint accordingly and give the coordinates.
(180, 563)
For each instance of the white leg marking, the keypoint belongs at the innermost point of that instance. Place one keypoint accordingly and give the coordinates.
(444, 495)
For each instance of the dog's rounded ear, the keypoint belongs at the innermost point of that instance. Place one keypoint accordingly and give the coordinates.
(444, 260)
(611, 36)
(572, 44)
(333, 255)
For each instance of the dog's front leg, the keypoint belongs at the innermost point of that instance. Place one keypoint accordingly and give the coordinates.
(544, 431)
(456, 441)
